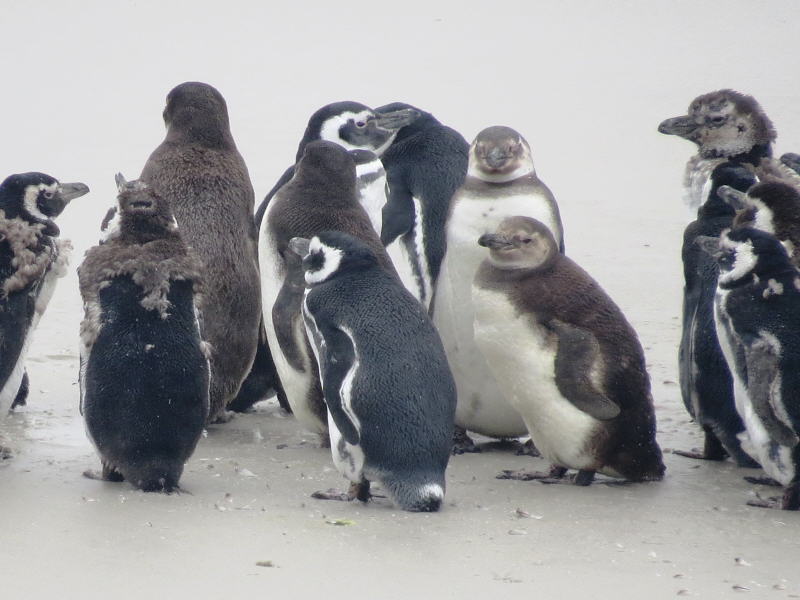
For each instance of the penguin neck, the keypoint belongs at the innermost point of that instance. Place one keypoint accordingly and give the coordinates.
(142, 231)
(715, 207)
(752, 156)
(209, 132)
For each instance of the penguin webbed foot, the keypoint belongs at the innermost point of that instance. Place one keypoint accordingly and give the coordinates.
(357, 491)
(789, 501)
(769, 481)
(554, 475)
(462, 443)
(106, 474)
(712, 449)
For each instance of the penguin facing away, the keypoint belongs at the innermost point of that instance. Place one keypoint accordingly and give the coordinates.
(758, 312)
(320, 196)
(705, 380)
(32, 258)
(565, 356)
(144, 368)
(387, 385)
(501, 182)
(200, 173)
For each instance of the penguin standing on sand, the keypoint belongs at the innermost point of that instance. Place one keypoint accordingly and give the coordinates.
(144, 368)
(565, 357)
(387, 385)
(321, 196)
(758, 320)
(425, 165)
(706, 384)
(501, 182)
(200, 173)
(32, 258)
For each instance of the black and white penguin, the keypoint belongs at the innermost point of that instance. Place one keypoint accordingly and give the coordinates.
(425, 165)
(758, 320)
(565, 357)
(726, 126)
(32, 258)
(200, 173)
(501, 182)
(705, 380)
(144, 369)
(387, 385)
(791, 160)
(321, 196)
(370, 185)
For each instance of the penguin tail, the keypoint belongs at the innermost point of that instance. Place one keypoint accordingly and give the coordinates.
(154, 475)
(414, 495)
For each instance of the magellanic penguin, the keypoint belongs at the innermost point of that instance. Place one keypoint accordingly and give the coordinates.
(387, 385)
(425, 165)
(32, 258)
(726, 126)
(565, 357)
(705, 380)
(792, 161)
(501, 182)
(200, 173)
(321, 196)
(758, 320)
(364, 132)
(144, 373)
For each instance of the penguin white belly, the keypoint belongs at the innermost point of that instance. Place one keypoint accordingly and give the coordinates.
(522, 359)
(697, 181)
(372, 196)
(296, 384)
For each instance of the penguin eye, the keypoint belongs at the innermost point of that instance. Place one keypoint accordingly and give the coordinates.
(361, 124)
(48, 195)
(717, 120)
(526, 240)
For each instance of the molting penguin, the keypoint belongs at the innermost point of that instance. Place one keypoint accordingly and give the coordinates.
(758, 317)
(320, 196)
(501, 182)
(706, 384)
(565, 357)
(202, 176)
(389, 391)
(144, 368)
(32, 258)
(425, 165)
(726, 126)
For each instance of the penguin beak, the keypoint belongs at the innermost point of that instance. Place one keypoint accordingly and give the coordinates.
(397, 119)
(494, 241)
(70, 191)
(682, 126)
(299, 246)
(710, 245)
(732, 196)
(496, 158)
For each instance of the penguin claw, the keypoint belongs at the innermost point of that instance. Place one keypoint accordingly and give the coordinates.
(697, 454)
(762, 481)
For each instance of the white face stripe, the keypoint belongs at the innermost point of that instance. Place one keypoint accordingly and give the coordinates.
(32, 195)
(332, 257)
(374, 166)
(764, 220)
(330, 128)
(744, 260)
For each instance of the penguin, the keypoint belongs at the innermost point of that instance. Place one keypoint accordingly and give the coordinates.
(364, 132)
(726, 126)
(757, 309)
(200, 173)
(320, 196)
(144, 373)
(32, 259)
(389, 391)
(501, 182)
(425, 165)
(565, 357)
(791, 160)
(705, 380)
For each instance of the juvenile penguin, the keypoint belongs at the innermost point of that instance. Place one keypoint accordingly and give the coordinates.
(144, 369)
(425, 165)
(565, 357)
(200, 173)
(320, 196)
(758, 320)
(501, 182)
(32, 258)
(705, 380)
(387, 385)
(726, 126)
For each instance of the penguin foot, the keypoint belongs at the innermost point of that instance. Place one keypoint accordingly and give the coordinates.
(462, 443)
(107, 474)
(698, 454)
(584, 478)
(527, 449)
(762, 481)
(554, 475)
(357, 491)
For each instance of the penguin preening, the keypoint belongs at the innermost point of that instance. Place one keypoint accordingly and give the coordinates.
(144, 373)
(32, 258)
(387, 385)
(565, 357)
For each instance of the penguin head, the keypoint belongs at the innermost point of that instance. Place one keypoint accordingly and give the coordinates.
(330, 254)
(722, 124)
(520, 243)
(499, 154)
(197, 112)
(326, 165)
(745, 255)
(38, 198)
(354, 126)
(141, 213)
(764, 205)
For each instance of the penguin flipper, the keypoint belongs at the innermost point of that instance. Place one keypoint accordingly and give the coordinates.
(398, 212)
(287, 312)
(763, 380)
(578, 351)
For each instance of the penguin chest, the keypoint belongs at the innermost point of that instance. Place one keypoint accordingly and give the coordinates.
(697, 180)
(372, 196)
(521, 354)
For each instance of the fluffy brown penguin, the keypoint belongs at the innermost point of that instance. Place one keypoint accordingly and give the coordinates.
(565, 356)
(199, 171)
